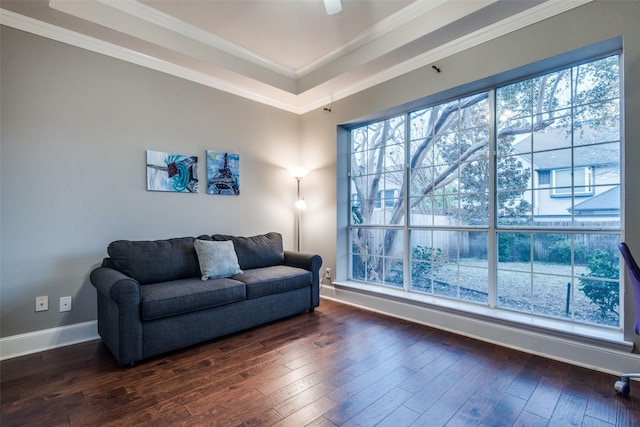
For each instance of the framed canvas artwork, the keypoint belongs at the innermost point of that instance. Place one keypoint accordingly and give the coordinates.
(223, 173)
(172, 172)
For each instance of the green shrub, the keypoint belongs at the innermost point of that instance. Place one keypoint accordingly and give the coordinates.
(514, 247)
(605, 294)
(423, 270)
(560, 252)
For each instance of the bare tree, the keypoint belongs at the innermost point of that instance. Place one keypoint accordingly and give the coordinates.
(524, 107)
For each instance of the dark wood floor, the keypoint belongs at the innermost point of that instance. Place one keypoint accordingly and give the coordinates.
(337, 366)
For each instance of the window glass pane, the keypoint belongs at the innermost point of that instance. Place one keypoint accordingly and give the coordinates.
(554, 160)
(474, 272)
(552, 92)
(514, 251)
(421, 181)
(544, 177)
(554, 253)
(598, 122)
(597, 290)
(473, 193)
(394, 272)
(553, 130)
(513, 173)
(474, 112)
(394, 160)
(597, 80)
(420, 128)
(445, 280)
(377, 165)
(602, 159)
(574, 136)
(557, 177)
(455, 145)
(513, 210)
(562, 181)
(601, 214)
(513, 128)
(377, 256)
(514, 106)
(423, 258)
(421, 211)
(514, 290)
(551, 296)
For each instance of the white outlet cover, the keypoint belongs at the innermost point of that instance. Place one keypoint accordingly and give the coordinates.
(42, 303)
(65, 304)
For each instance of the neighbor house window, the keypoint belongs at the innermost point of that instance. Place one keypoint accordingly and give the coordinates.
(385, 198)
(578, 181)
(544, 177)
(443, 200)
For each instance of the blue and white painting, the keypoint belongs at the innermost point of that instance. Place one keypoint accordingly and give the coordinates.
(172, 172)
(223, 173)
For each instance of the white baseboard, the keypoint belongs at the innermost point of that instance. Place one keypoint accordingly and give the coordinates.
(608, 358)
(33, 342)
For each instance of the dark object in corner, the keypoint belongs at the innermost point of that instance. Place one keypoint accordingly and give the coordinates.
(623, 385)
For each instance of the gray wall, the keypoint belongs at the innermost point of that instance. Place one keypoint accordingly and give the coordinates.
(580, 27)
(75, 126)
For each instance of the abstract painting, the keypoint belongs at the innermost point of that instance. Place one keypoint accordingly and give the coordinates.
(172, 172)
(223, 173)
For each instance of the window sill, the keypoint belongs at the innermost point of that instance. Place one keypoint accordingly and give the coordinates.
(592, 335)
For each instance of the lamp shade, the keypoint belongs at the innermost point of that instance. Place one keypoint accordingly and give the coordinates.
(298, 172)
(301, 204)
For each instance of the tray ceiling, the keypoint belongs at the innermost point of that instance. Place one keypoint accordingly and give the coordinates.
(285, 53)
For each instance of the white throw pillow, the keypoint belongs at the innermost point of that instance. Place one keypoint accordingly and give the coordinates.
(217, 259)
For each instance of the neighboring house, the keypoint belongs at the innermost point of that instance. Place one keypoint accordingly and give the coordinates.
(596, 190)
(596, 167)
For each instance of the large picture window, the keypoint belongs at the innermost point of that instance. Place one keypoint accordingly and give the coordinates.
(507, 198)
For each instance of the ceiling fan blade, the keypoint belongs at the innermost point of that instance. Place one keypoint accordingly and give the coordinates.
(332, 6)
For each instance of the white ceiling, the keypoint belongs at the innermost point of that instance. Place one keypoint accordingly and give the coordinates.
(285, 53)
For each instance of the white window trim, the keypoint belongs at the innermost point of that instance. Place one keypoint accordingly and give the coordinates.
(576, 190)
(612, 335)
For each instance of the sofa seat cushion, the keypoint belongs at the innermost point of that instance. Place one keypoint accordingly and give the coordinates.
(183, 296)
(273, 280)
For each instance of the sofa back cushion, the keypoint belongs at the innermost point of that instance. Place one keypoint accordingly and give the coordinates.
(256, 251)
(154, 261)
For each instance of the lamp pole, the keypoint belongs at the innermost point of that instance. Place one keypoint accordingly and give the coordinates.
(298, 208)
(299, 173)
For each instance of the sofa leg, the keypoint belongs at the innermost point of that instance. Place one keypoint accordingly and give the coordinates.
(311, 310)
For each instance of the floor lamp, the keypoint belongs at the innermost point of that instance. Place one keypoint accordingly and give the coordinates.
(299, 173)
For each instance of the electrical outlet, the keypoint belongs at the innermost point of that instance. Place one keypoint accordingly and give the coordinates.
(327, 273)
(65, 304)
(42, 303)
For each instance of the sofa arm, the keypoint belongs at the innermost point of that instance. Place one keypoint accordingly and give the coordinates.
(119, 322)
(309, 262)
(115, 285)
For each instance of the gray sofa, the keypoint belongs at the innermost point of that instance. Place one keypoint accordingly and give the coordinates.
(152, 297)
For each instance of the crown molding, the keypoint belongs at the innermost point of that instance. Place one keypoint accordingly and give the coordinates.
(521, 20)
(263, 93)
(381, 28)
(142, 11)
(53, 32)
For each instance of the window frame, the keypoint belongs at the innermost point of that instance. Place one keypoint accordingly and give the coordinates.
(588, 187)
(603, 50)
